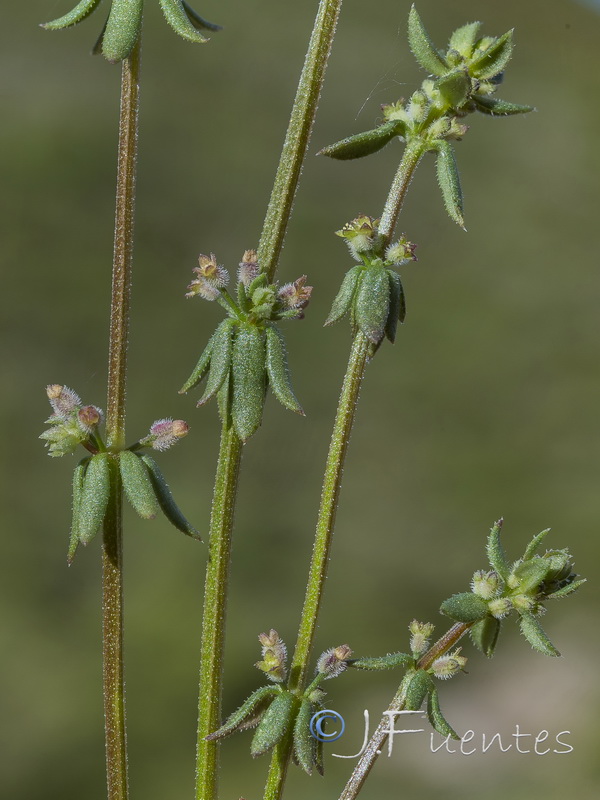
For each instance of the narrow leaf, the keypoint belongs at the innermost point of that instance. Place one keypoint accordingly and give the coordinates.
(198, 21)
(224, 401)
(419, 686)
(249, 712)
(495, 552)
(454, 87)
(436, 718)
(178, 19)
(165, 499)
(319, 759)
(304, 741)
(78, 477)
(363, 144)
(484, 635)
(463, 39)
(274, 724)
(498, 108)
(465, 607)
(203, 364)
(535, 543)
(220, 360)
(493, 60)
(343, 300)
(422, 47)
(372, 304)
(138, 484)
(535, 635)
(77, 14)
(278, 371)
(122, 29)
(382, 662)
(566, 590)
(95, 493)
(447, 173)
(249, 380)
(531, 573)
(397, 311)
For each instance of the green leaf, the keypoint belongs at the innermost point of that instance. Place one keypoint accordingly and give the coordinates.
(138, 484)
(535, 635)
(95, 494)
(203, 364)
(78, 477)
(249, 380)
(247, 715)
(419, 686)
(278, 371)
(493, 60)
(372, 304)
(224, 401)
(122, 29)
(274, 724)
(495, 552)
(178, 19)
(344, 297)
(436, 718)
(484, 635)
(198, 21)
(498, 108)
(463, 39)
(165, 499)
(76, 15)
(319, 759)
(382, 662)
(304, 741)
(363, 144)
(220, 360)
(566, 590)
(447, 173)
(530, 574)
(422, 47)
(397, 310)
(454, 87)
(465, 607)
(535, 543)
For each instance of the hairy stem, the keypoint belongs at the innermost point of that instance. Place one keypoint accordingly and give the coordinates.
(297, 136)
(215, 606)
(112, 550)
(413, 153)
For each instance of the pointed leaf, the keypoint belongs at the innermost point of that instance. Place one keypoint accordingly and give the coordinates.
(397, 310)
(382, 662)
(77, 14)
(463, 39)
(247, 715)
(498, 108)
(566, 590)
(493, 60)
(495, 552)
(274, 724)
(220, 360)
(422, 47)
(535, 635)
(165, 499)
(454, 87)
(249, 380)
(419, 686)
(198, 21)
(203, 364)
(95, 493)
(535, 543)
(363, 144)
(465, 607)
(447, 173)
(372, 304)
(530, 574)
(137, 484)
(484, 635)
(224, 401)
(436, 718)
(304, 741)
(176, 16)
(343, 300)
(78, 477)
(278, 371)
(122, 29)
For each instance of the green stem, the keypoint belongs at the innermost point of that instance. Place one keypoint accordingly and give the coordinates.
(297, 136)
(112, 550)
(215, 604)
(413, 153)
(375, 744)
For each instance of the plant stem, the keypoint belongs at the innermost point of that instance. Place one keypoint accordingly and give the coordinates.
(297, 136)
(375, 744)
(215, 604)
(112, 550)
(413, 153)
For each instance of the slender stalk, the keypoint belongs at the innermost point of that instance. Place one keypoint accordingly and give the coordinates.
(215, 605)
(112, 551)
(375, 744)
(410, 160)
(297, 136)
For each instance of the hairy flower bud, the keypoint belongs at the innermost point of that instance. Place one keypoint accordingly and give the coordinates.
(332, 662)
(249, 268)
(485, 584)
(360, 234)
(295, 295)
(274, 653)
(164, 433)
(401, 252)
(64, 401)
(449, 665)
(420, 635)
(500, 607)
(89, 417)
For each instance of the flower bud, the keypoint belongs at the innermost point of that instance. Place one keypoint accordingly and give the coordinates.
(249, 267)
(500, 607)
(420, 635)
(360, 234)
(212, 272)
(401, 252)
(449, 665)
(485, 584)
(295, 295)
(332, 662)
(164, 433)
(395, 111)
(63, 400)
(274, 654)
(89, 417)
(523, 602)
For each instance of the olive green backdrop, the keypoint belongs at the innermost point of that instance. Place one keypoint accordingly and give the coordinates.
(486, 406)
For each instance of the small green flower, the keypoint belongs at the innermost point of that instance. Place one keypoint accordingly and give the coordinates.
(123, 26)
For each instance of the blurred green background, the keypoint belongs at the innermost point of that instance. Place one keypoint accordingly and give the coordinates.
(486, 406)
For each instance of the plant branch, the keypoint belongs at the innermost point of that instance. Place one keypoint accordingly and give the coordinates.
(112, 550)
(413, 153)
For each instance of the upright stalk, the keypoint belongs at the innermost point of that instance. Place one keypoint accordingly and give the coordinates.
(271, 241)
(112, 550)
